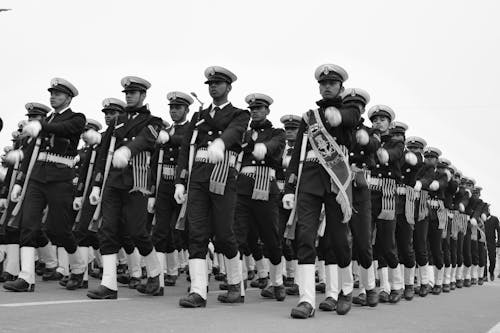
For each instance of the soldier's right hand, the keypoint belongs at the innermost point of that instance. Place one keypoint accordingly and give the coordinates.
(418, 185)
(15, 195)
(77, 203)
(3, 203)
(288, 201)
(179, 193)
(163, 137)
(94, 195)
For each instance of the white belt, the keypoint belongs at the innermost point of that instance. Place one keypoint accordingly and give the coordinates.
(311, 156)
(374, 181)
(52, 158)
(401, 190)
(251, 170)
(202, 156)
(433, 203)
(168, 171)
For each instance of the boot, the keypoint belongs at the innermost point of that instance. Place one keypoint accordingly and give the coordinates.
(320, 287)
(19, 285)
(359, 300)
(102, 292)
(75, 281)
(267, 292)
(409, 292)
(453, 286)
(344, 303)
(151, 287)
(293, 290)
(372, 297)
(260, 283)
(446, 288)
(233, 294)
(64, 280)
(395, 296)
(460, 283)
(467, 283)
(436, 290)
(480, 281)
(303, 310)
(383, 297)
(193, 300)
(279, 293)
(134, 282)
(39, 268)
(170, 280)
(7, 277)
(329, 304)
(289, 281)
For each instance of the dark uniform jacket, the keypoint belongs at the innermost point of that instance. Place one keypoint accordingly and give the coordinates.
(274, 139)
(137, 130)
(60, 135)
(409, 172)
(315, 179)
(392, 169)
(229, 124)
(363, 157)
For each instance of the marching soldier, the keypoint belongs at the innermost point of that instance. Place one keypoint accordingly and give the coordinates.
(361, 158)
(45, 178)
(165, 207)
(492, 233)
(258, 194)
(213, 140)
(384, 175)
(324, 136)
(124, 177)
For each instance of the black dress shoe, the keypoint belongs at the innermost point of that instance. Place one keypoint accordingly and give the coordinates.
(329, 304)
(424, 290)
(260, 283)
(467, 283)
(409, 292)
(293, 290)
(123, 278)
(289, 281)
(320, 287)
(473, 281)
(102, 292)
(453, 286)
(5, 276)
(50, 274)
(193, 300)
(279, 293)
(267, 292)
(303, 310)
(233, 294)
(151, 287)
(383, 297)
(372, 297)
(480, 282)
(492, 277)
(460, 283)
(359, 300)
(75, 282)
(436, 290)
(446, 288)
(170, 280)
(344, 303)
(39, 268)
(220, 277)
(251, 275)
(19, 285)
(64, 280)
(395, 296)
(96, 273)
(134, 282)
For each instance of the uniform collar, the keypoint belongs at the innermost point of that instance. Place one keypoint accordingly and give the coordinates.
(63, 110)
(222, 106)
(180, 124)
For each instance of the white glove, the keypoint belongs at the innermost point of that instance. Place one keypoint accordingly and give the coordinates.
(77, 203)
(91, 137)
(461, 207)
(3, 173)
(473, 221)
(15, 195)
(411, 158)
(483, 217)
(3, 203)
(448, 174)
(8, 149)
(418, 185)
(95, 195)
(469, 193)
(362, 137)
(333, 116)
(259, 151)
(14, 156)
(121, 157)
(288, 201)
(179, 193)
(163, 137)
(32, 128)
(383, 156)
(434, 186)
(215, 151)
(151, 205)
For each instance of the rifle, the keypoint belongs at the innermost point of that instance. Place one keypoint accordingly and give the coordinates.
(95, 224)
(17, 209)
(292, 219)
(11, 185)
(158, 178)
(90, 170)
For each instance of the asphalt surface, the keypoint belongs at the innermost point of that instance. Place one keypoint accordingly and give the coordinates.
(51, 308)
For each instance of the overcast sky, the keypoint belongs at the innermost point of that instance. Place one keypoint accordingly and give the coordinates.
(436, 63)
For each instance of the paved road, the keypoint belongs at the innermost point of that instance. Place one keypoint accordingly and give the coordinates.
(53, 309)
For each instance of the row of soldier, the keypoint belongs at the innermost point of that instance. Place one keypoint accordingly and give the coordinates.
(321, 194)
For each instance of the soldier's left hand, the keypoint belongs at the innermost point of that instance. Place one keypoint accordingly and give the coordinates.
(121, 157)
(259, 151)
(151, 205)
(434, 186)
(77, 203)
(215, 151)
(32, 128)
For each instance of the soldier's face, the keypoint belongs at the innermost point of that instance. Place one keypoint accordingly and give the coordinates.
(178, 113)
(431, 160)
(259, 113)
(35, 117)
(415, 150)
(218, 89)
(291, 133)
(330, 89)
(381, 123)
(59, 99)
(110, 116)
(134, 98)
